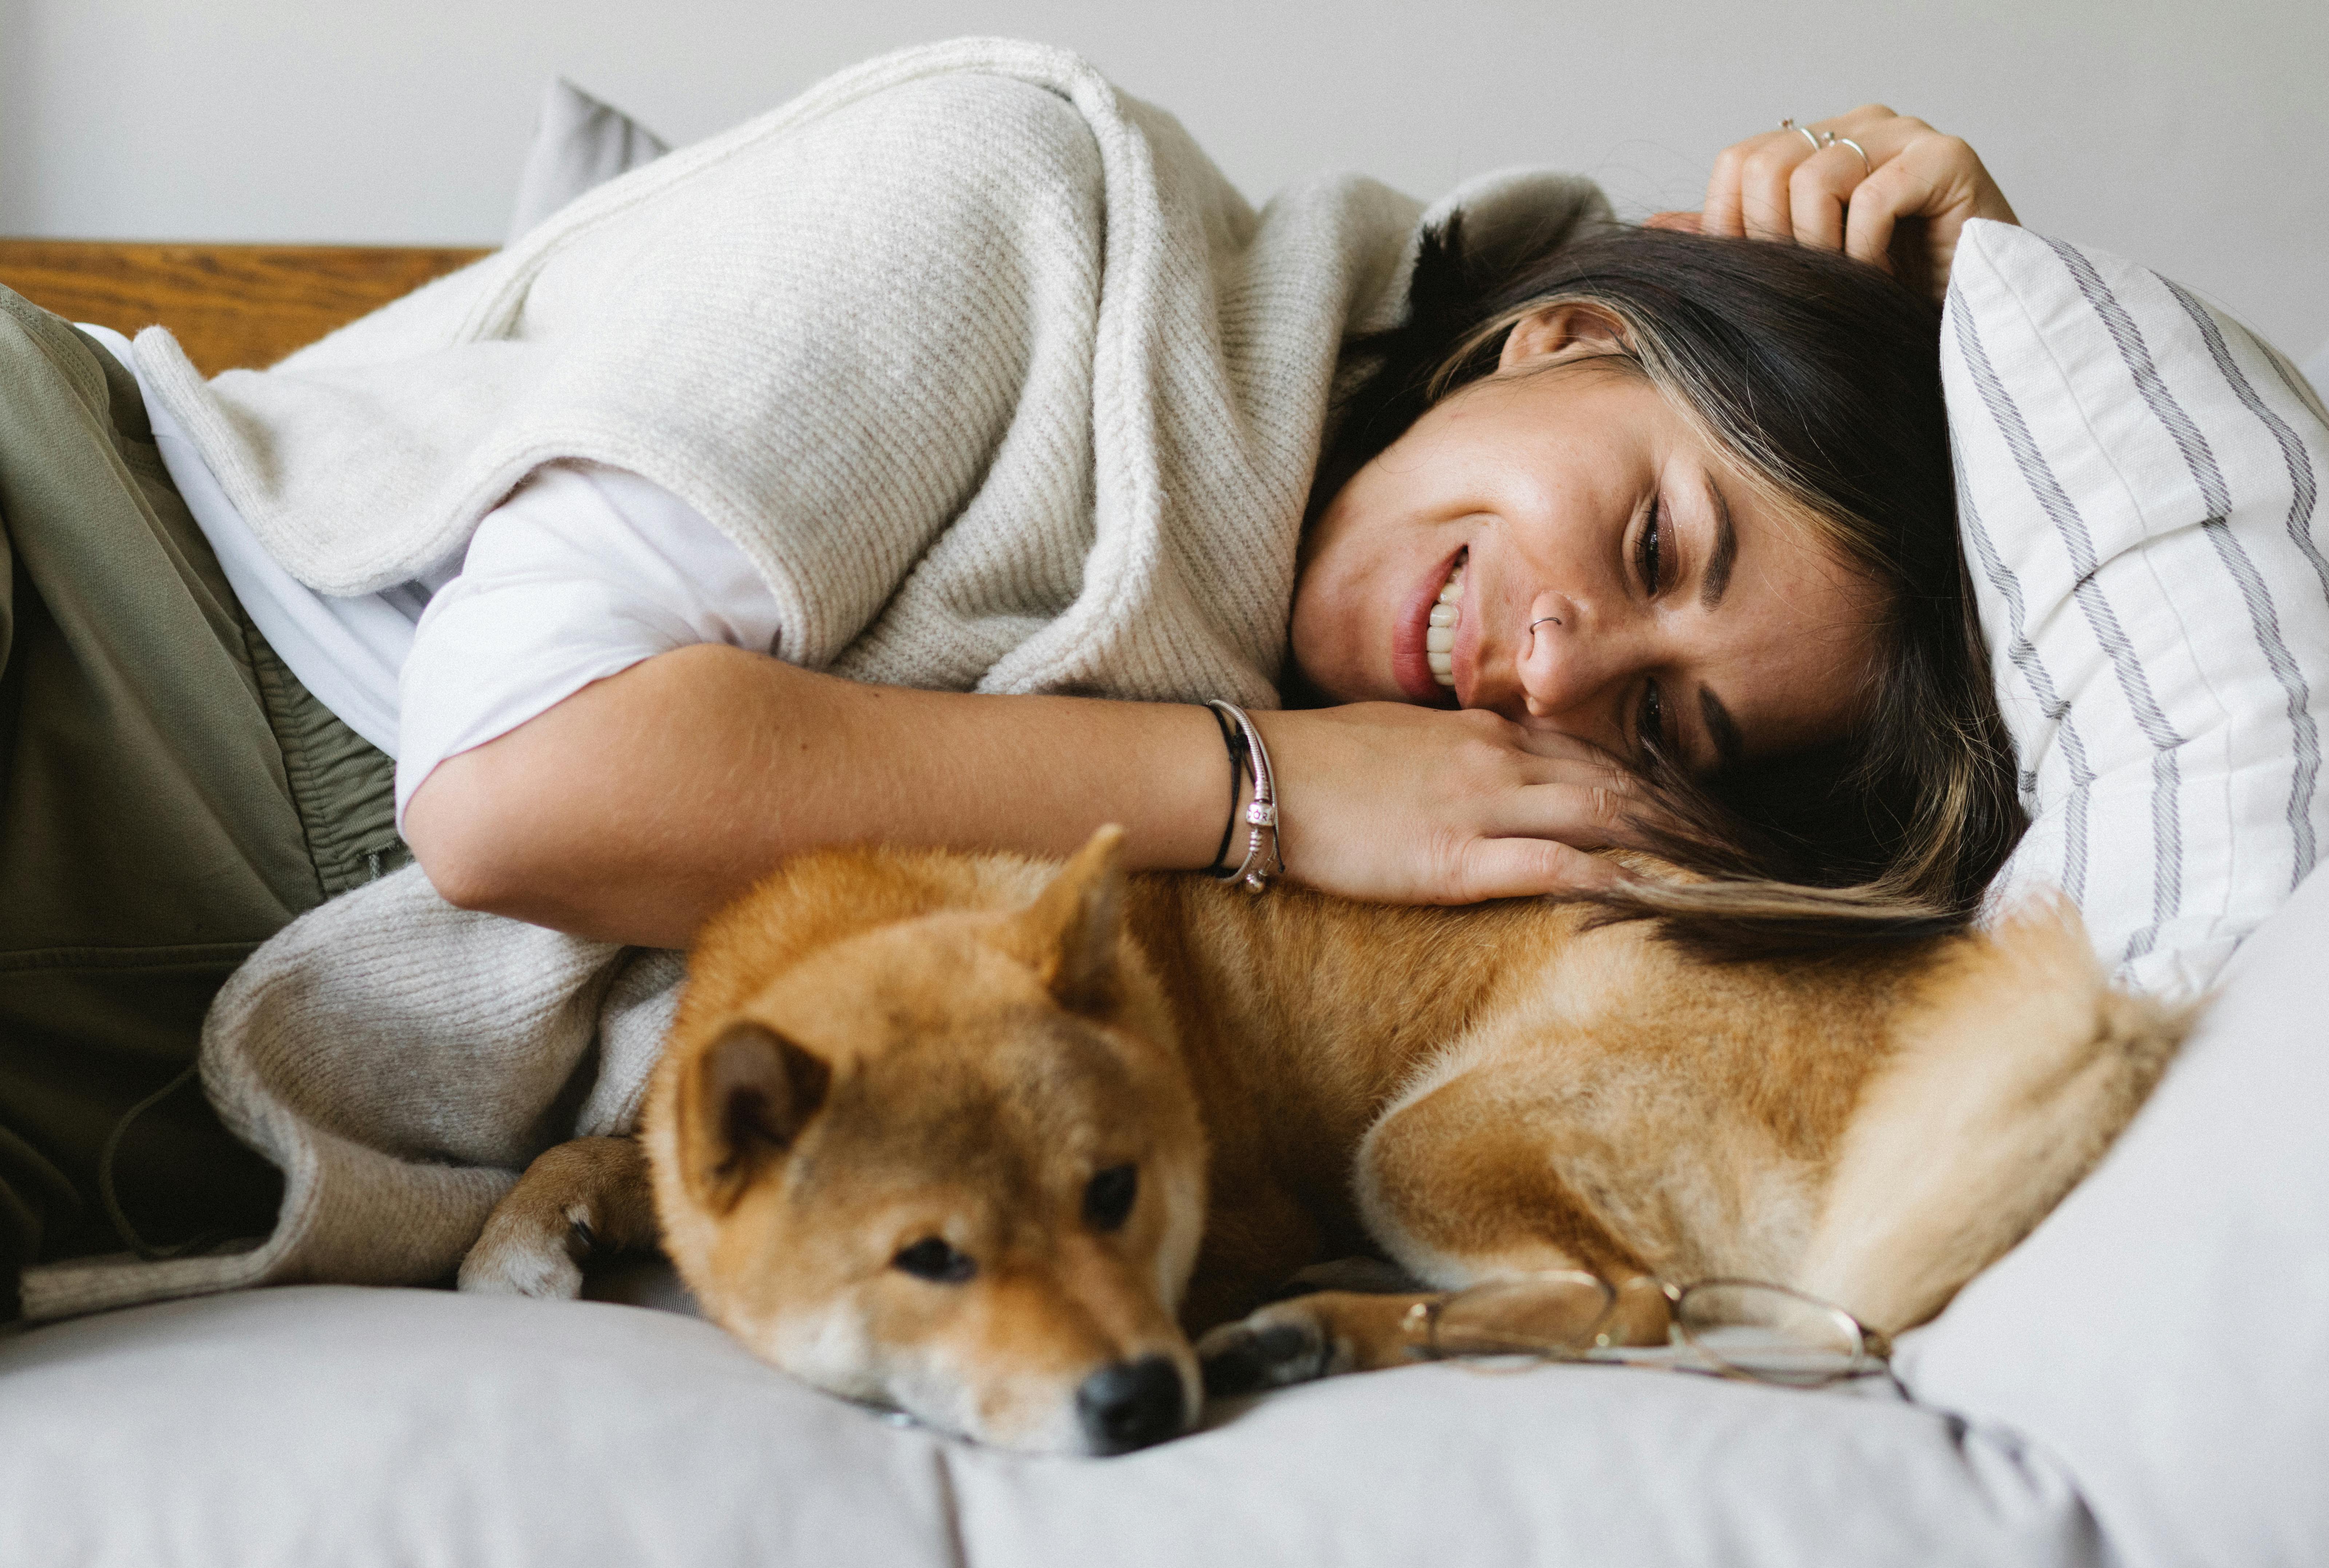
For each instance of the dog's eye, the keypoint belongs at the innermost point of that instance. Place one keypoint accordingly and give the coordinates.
(931, 1259)
(1107, 1201)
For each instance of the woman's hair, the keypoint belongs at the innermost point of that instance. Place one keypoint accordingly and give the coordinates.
(1819, 377)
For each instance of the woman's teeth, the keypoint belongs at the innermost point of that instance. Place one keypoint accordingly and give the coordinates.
(1440, 638)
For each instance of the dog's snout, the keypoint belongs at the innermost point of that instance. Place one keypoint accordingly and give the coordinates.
(1131, 1405)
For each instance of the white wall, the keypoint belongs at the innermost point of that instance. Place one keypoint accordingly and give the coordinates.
(2193, 136)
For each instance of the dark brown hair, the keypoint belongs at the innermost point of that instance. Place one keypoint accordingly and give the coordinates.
(1820, 378)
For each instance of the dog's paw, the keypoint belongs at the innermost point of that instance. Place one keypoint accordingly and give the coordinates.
(1278, 1345)
(1307, 1337)
(512, 1260)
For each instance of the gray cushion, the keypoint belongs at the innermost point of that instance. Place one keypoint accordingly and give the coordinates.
(335, 1424)
(2165, 1333)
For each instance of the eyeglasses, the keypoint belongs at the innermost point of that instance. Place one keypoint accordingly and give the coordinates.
(1731, 1328)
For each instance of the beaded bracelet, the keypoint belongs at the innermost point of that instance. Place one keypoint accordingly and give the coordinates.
(1261, 814)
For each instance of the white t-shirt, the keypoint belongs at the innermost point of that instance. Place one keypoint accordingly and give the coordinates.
(583, 572)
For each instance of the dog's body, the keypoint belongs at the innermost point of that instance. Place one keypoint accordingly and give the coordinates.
(953, 1132)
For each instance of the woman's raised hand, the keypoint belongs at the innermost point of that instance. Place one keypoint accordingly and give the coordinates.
(1883, 188)
(1386, 801)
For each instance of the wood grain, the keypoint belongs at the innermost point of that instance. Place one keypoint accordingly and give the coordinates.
(230, 305)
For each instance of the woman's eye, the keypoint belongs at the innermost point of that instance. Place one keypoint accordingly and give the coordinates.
(1652, 551)
(1653, 722)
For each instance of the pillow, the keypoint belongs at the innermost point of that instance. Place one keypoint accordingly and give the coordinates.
(2139, 485)
(578, 143)
(2164, 1335)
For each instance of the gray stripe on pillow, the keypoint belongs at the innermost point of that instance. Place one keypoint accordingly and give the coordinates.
(2305, 489)
(2166, 827)
(2305, 769)
(2024, 656)
(2135, 354)
(2200, 458)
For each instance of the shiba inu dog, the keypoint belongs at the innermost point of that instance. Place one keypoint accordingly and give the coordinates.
(988, 1140)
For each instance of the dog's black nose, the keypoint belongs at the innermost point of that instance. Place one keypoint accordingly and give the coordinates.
(1131, 1405)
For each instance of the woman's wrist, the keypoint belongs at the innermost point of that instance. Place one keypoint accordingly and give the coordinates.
(1253, 804)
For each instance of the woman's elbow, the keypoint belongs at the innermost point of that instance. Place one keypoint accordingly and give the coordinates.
(471, 849)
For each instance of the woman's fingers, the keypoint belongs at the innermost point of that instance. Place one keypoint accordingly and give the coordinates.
(1592, 811)
(1936, 178)
(1754, 188)
(1868, 183)
(1528, 868)
(1766, 211)
(1818, 192)
(1390, 801)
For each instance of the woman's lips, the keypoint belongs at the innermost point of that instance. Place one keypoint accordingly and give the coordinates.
(1408, 665)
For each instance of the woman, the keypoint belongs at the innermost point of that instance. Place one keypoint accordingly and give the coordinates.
(1644, 571)
(1395, 802)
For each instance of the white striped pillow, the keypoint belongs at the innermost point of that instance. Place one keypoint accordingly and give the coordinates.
(2139, 483)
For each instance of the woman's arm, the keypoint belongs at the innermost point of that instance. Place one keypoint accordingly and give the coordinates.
(634, 808)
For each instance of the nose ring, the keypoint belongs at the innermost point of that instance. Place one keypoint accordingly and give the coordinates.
(1541, 620)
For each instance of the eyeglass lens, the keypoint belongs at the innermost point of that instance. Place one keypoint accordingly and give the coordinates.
(1542, 1315)
(1771, 1333)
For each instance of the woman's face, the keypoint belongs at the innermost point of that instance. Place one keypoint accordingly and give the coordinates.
(1597, 566)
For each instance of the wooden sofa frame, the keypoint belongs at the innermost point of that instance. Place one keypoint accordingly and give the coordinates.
(230, 305)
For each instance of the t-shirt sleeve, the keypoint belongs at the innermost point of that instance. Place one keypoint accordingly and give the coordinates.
(582, 573)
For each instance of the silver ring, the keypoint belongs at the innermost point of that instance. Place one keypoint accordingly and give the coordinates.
(1808, 135)
(1867, 164)
(1541, 620)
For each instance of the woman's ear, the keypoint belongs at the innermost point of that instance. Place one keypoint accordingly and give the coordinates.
(1558, 333)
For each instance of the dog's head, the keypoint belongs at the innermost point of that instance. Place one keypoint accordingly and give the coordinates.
(952, 1164)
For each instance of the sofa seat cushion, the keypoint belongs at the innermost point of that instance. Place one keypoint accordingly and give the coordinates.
(342, 1425)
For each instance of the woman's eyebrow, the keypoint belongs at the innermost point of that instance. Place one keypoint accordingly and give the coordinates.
(1717, 576)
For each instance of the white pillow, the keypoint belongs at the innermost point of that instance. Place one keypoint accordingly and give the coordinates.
(2316, 369)
(2139, 483)
(578, 143)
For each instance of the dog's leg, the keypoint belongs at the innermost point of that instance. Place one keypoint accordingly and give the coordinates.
(1461, 1185)
(587, 1194)
(2008, 1085)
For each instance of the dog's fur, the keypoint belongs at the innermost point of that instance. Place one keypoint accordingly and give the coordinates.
(880, 1048)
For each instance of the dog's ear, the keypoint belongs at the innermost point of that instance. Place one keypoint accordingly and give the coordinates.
(1070, 931)
(742, 1103)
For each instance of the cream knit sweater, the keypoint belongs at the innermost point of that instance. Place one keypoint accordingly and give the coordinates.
(993, 376)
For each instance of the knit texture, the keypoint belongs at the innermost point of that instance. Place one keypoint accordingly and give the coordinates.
(998, 383)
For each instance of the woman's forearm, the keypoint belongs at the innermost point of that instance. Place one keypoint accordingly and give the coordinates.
(637, 807)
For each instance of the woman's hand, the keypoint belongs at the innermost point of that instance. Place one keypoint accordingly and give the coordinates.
(1898, 201)
(1416, 806)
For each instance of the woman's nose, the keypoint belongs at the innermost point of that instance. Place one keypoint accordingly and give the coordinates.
(1568, 658)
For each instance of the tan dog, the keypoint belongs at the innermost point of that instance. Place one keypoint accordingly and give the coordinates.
(986, 1140)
